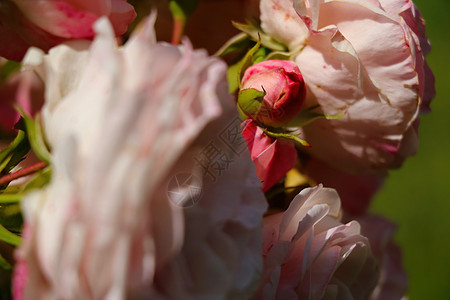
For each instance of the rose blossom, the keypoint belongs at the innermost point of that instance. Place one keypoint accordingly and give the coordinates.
(284, 89)
(105, 227)
(363, 59)
(309, 254)
(47, 23)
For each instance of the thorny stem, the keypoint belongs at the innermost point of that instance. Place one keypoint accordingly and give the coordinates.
(22, 172)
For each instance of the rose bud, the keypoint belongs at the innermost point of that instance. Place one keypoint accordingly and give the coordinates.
(273, 92)
(272, 157)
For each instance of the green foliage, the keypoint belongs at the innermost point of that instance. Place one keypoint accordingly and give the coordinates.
(257, 34)
(9, 237)
(238, 43)
(236, 71)
(4, 264)
(14, 153)
(182, 9)
(29, 136)
(36, 136)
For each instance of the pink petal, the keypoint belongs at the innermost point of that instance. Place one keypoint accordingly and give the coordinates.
(273, 157)
(280, 21)
(121, 15)
(59, 18)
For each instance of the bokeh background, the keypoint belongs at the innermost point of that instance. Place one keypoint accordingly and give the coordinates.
(417, 196)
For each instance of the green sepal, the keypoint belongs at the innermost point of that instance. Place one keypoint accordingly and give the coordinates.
(182, 9)
(4, 264)
(242, 113)
(280, 55)
(39, 180)
(9, 237)
(307, 116)
(250, 101)
(237, 43)
(234, 73)
(14, 194)
(286, 136)
(256, 34)
(36, 136)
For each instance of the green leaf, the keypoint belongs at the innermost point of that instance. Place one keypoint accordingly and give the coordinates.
(257, 34)
(5, 163)
(11, 217)
(307, 116)
(10, 198)
(286, 136)
(9, 237)
(235, 72)
(4, 264)
(182, 9)
(14, 152)
(36, 136)
(13, 189)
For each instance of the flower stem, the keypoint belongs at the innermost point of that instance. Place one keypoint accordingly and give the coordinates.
(178, 29)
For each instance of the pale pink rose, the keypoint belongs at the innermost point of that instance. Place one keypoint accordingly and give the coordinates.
(309, 254)
(363, 59)
(47, 23)
(393, 282)
(107, 226)
(285, 91)
(272, 157)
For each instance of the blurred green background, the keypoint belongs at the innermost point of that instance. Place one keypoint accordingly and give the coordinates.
(417, 196)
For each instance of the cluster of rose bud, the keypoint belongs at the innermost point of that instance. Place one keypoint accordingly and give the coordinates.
(272, 92)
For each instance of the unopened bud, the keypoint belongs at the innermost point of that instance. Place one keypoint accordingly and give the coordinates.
(273, 92)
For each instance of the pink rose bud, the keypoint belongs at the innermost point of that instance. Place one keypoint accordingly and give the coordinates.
(273, 92)
(273, 158)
